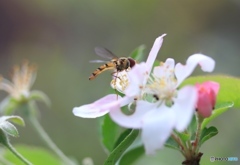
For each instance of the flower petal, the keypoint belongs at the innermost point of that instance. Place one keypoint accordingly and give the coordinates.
(137, 79)
(157, 127)
(212, 85)
(134, 120)
(165, 69)
(97, 108)
(184, 106)
(6, 85)
(204, 105)
(206, 63)
(154, 51)
(207, 93)
(125, 101)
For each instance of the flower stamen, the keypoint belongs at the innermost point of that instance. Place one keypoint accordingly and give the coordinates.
(121, 82)
(22, 80)
(162, 86)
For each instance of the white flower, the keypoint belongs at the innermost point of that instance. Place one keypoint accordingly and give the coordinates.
(99, 107)
(138, 75)
(112, 102)
(160, 107)
(22, 80)
(19, 89)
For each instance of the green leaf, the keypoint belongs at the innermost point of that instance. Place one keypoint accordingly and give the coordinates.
(183, 136)
(4, 138)
(38, 156)
(122, 137)
(229, 87)
(15, 119)
(118, 151)
(138, 53)
(171, 143)
(8, 105)
(208, 133)
(156, 63)
(9, 128)
(109, 133)
(40, 96)
(192, 127)
(131, 156)
(219, 109)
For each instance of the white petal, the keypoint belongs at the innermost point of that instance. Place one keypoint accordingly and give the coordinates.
(97, 108)
(6, 86)
(137, 79)
(157, 128)
(206, 63)
(89, 111)
(125, 100)
(154, 51)
(164, 70)
(184, 107)
(134, 120)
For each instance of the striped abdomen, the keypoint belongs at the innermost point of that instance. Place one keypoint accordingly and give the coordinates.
(102, 68)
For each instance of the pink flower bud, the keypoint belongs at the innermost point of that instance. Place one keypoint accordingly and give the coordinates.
(207, 93)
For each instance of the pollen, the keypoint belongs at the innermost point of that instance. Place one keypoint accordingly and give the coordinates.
(120, 82)
(162, 83)
(162, 87)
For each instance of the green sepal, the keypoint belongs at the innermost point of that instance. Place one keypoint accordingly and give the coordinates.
(40, 96)
(3, 137)
(9, 129)
(120, 149)
(219, 109)
(15, 119)
(8, 105)
(208, 133)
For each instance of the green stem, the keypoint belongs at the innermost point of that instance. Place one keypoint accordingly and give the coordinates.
(48, 141)
(193, 157)
(17, 154)
(44, 136)
(188, 143)
(198, 133)
(179, 142)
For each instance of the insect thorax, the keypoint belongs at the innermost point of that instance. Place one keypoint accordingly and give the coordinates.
(122, 64)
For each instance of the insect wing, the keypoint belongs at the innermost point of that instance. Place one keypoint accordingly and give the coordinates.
(105, 53)
(98, 61)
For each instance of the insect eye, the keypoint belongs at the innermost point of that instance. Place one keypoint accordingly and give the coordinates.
(132, 62)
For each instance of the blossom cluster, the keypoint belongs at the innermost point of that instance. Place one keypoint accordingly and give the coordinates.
(160, 105)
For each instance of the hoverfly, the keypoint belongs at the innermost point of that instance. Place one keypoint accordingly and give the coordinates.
(116, 63)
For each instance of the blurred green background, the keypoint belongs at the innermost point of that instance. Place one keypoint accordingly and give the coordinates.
(59, 36)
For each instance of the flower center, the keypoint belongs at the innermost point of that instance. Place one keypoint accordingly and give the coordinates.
(162, 86)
